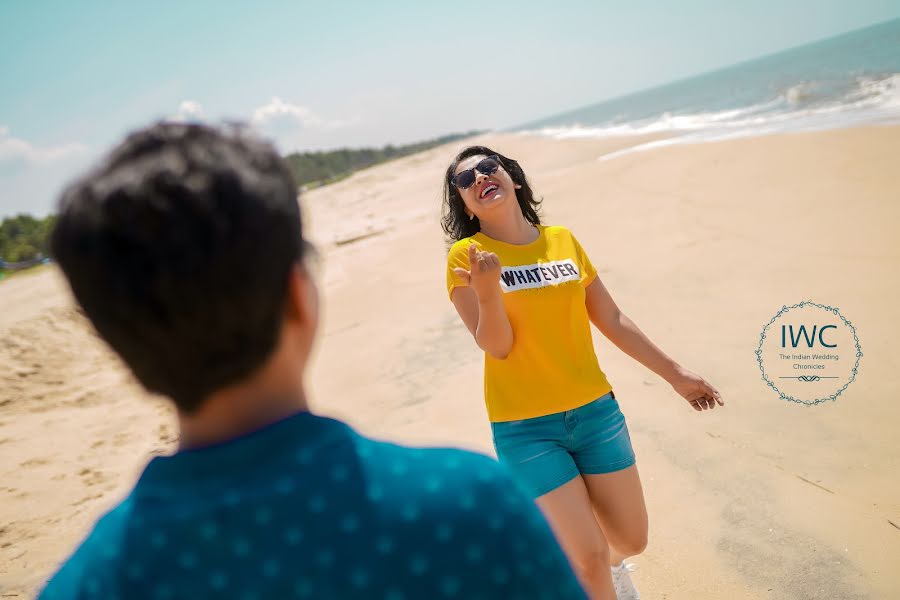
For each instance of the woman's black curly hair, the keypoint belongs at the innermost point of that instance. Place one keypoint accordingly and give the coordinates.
(456, 222)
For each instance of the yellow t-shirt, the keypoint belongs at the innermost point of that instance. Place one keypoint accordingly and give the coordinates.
(552, 366)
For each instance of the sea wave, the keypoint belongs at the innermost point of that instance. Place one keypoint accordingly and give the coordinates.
(808, 105)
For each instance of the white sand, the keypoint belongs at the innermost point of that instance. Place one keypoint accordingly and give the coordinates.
(699, 245)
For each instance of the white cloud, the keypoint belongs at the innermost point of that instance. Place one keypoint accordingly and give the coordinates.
(291, 125)
(188, 111)
(31, 176)
(15, 151)
(279, 111)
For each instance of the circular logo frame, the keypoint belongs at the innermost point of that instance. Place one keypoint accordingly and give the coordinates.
(781, 394)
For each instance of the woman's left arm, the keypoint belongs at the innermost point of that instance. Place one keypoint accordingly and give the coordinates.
(622, 331)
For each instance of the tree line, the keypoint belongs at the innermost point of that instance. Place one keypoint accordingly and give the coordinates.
(25, 238)
(312, 169)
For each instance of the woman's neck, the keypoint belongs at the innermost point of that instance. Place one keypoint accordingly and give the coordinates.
(511, 231)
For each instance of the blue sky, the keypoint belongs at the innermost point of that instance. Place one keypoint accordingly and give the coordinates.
(75, 76)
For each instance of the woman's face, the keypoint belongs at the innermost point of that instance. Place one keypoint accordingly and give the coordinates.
(489, 191)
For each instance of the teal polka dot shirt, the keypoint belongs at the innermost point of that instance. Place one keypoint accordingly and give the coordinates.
(308, 508)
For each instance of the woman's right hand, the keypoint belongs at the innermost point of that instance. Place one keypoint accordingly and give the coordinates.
(484, 274)
(480, 303)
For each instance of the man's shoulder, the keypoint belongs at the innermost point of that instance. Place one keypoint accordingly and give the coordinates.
(435, 473)
(433, 493)
(93, 561)
(448, 461)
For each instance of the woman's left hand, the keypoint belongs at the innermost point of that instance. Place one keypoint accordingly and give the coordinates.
(696, 390)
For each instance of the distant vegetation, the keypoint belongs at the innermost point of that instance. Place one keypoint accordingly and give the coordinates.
(318, 168)
(24, 239)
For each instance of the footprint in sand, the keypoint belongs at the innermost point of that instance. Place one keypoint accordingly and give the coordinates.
(165, 434)
(92, 477)
(86, 499)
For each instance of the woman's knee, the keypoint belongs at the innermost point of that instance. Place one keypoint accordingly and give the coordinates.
(586, 561)
(632, 544)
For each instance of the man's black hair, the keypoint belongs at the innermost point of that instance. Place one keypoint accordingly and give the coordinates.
(179, 248)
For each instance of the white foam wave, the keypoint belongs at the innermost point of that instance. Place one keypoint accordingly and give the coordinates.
(871, 100)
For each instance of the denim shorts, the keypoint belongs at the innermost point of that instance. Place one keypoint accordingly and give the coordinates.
(546, 452)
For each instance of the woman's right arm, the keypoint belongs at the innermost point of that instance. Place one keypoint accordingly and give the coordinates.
(480, 304)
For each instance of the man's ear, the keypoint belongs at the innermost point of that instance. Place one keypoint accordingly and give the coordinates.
(302, 299)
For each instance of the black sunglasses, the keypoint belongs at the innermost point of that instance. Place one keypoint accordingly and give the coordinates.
(487, 166)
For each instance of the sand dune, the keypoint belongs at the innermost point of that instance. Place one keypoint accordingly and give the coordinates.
(699, 244)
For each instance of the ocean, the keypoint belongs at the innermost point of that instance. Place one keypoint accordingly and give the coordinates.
(850, 79)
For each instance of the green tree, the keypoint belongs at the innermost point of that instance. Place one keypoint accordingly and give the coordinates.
(24, 237)
(317, 168)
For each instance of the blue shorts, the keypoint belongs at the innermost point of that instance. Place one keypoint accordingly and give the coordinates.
(546, 452)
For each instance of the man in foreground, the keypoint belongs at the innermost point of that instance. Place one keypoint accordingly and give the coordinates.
(185, 249)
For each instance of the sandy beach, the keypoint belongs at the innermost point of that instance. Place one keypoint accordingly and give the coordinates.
(699, 244)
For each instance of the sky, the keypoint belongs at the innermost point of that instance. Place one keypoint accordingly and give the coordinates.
(76, 76)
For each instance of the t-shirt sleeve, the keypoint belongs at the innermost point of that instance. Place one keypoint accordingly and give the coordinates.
(526, 555)
(588, 272)
(87, 573)
(457, 257)
(66, 584)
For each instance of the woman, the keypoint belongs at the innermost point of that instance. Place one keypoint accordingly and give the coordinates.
(528, 293)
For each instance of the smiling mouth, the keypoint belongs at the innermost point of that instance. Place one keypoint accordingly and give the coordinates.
(489, 189)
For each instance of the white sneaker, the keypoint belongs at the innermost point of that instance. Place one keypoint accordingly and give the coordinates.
(625, 589)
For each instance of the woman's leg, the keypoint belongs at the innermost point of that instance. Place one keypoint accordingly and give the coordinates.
(569, 512)
(537, 453)
(604, 455)
(618, 501)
